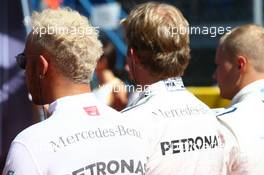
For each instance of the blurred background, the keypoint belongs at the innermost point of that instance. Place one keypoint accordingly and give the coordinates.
(16, 110)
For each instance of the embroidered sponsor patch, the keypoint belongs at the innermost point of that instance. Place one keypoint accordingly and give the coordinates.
(91, 110)
(113, 167)
(191, 144)
(173, 84)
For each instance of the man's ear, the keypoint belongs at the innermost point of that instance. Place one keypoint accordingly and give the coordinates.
(241, 62)
(42, 66)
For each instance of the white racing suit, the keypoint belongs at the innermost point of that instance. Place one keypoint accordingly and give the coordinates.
(182, 132)
(243, 124)
(81, 137)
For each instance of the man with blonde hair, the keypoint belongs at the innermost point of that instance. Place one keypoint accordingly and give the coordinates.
(240, 76)
(81, 136)
(180, 129)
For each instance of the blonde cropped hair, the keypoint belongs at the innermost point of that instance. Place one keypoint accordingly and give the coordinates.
(246, 40)
(71, 41)
(158, 33)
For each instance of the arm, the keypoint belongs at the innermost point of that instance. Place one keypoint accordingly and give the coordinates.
(232, 148)
(20, 161)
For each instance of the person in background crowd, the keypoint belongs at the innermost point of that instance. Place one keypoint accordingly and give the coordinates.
(82, 135)
(240, 76)
(112, 91)
(182, 132)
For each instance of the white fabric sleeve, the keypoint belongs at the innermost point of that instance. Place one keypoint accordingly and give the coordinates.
(232, 148)
(20, 161)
